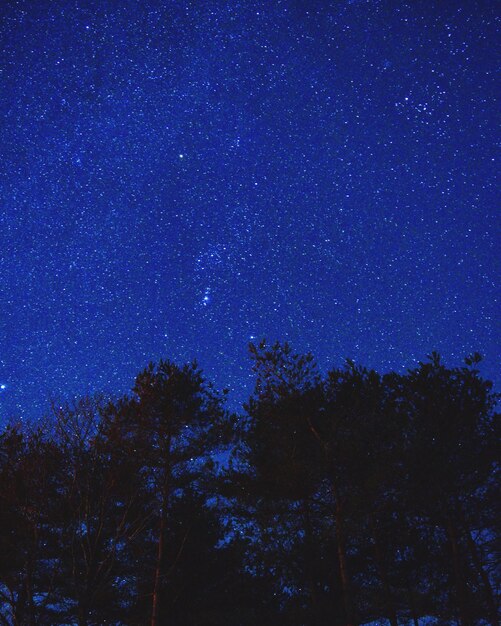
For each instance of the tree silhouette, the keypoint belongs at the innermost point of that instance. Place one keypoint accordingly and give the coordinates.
(345, 498)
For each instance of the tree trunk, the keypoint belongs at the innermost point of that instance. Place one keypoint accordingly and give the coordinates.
(29, 597)
(155, 606)
(19, 606)
(308, 560)
(31, 565)
(459, 574)
(83, 613)
(343, 568)
(391, 612)
(489, 595)
(412, 603)
(157, 584)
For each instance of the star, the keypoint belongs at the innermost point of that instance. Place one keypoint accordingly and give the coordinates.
(209, 182)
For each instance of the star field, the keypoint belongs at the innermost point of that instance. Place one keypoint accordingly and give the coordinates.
(180, 178)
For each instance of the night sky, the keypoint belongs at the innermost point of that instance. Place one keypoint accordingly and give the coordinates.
(181, 178)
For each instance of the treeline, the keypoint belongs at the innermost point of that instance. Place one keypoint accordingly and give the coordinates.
(336, 499)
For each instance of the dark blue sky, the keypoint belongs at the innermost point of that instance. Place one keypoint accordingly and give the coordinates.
(179, 178)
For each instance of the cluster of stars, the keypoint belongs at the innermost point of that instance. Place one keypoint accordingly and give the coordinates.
(181, 178)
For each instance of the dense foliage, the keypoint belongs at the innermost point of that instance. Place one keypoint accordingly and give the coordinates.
(339, 499)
